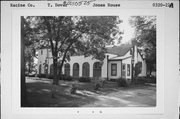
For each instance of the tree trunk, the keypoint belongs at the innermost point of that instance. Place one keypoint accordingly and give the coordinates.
(23, 82)
(55, 77)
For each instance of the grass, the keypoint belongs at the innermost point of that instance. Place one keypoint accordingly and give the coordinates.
(39, 95)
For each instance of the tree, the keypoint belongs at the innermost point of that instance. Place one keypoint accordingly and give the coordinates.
(23, 84)
(145, 37)
(74, 35)
(29, 47)
(30, 66)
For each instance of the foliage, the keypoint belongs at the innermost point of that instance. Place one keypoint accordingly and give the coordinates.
(65, 77)
(97, 86)
(151, 79)
(29, 49)
(138, 68)
(84, 79)
(121, 82)
(41, 75)
(50, 76)
(139, 80)
(29, 60)
(73, 89)
(145, 37)
(73, 35)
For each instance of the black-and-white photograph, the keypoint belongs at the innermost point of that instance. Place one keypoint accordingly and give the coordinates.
(88, 61)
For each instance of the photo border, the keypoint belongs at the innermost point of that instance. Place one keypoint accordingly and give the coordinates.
(136, 112)
(16, 14)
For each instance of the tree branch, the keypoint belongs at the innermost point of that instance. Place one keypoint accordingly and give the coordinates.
(49, 33)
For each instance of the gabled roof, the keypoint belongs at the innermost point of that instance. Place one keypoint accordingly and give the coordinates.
(119, 50)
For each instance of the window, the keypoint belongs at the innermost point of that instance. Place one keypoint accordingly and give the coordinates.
(97, 69)
(123, 66)
(128, 69)
(113, 69)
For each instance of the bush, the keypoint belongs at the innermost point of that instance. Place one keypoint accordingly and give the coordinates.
(84, 79)
(65, 77)
(50, 76)
(151, 79)
(139, 80)
(122, 82)
(97, 86)
(113, 80)
(73, 89)
(41, 75)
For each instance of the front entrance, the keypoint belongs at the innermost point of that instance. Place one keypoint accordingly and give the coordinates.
(123, 70)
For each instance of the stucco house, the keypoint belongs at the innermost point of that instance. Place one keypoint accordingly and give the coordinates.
(117, 63)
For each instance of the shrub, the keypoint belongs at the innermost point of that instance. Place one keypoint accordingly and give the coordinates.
(41, 75)
(50, 76)
(73, 89)
(97, 86)
(139, 80)
(65, 77)
(138, 68)
(84, 79)
(151, 79)
(122, 82)
(113, 80)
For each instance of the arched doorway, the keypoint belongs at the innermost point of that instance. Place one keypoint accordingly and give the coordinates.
(97, 69)
(85, 69)
(67, 69)
(76, 70)
(40, 69)
(46, 69)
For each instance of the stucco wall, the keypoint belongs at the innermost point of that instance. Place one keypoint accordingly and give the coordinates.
(81, 59)
(74, 59)
(126, 59)
(41, 59)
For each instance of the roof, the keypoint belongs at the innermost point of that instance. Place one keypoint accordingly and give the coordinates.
(119, 50)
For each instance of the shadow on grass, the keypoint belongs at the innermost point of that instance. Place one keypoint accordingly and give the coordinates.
(39, 95)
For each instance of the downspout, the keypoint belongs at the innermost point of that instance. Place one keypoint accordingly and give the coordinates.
(121, 69)
(107, 67)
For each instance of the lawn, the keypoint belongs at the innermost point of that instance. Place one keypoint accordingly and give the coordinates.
(39, 95)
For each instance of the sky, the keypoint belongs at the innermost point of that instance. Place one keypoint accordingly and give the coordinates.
(126, 27)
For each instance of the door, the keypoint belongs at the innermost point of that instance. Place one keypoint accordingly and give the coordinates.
(123, 70)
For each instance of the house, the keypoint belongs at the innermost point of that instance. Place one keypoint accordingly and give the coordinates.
(117, 63)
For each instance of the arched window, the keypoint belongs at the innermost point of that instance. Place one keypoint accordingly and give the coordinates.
(97, 69)
(85, 69)
(40, 69)
(51, 69)
(67, 69)
(76, 70)
(46, 69)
